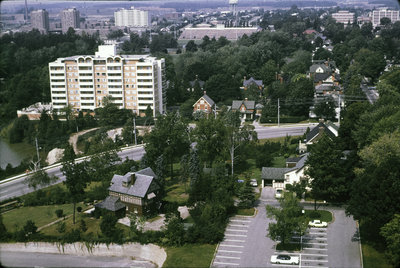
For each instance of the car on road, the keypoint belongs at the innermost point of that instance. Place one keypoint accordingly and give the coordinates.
(279, 193)
(318, 223)
(284, 259)
(253, 182)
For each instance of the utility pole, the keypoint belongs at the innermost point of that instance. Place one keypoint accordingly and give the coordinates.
(339, 111)
(215, 111)
(37, 153)
(278, 112)
(134, 129)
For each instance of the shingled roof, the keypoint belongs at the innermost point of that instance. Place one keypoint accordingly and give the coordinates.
(329, 129)
(248, 104)
(201, 83)
(250, 81)
(207, 99)
(111, 203)
(274, 173)
(140, 186)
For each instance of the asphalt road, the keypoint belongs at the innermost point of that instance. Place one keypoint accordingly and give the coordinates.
(18, 187)
(30, 259)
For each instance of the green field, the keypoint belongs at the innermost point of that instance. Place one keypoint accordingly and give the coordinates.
(373, 258)
(190, 256)
(41, 215)
(325, 215)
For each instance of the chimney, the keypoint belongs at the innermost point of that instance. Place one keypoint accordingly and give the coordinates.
(133, 178)
(321, 120)
(321, 130)
(244, 78)
(205, 92)
(245, 99)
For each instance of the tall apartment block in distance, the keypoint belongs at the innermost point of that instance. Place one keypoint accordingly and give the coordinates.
(132, 18)
(344, 17)
(40, 20)
(132, 81)
(70, 18)
(377, 15)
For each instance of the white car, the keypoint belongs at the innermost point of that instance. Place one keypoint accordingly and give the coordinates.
(318, 223)
(285, 259)
(279, 193)
(253, 182)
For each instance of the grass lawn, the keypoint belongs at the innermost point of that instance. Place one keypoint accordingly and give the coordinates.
(176, 193)
(190, 256)
(279, 162)
(92, 224)
(325, 215)
(373, 258)
(41, 215)
(246, 212)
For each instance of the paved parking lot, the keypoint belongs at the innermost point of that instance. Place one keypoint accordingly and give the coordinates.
(246, 243)
(231, 248)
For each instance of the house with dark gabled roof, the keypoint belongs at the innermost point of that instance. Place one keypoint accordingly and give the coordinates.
(196, 82)
(252, 81)
(324, 72)
(278, 178)
(205, 105)
(245, 107)
(323, 128)
(135, 191)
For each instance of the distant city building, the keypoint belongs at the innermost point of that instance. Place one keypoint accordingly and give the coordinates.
(132, 18)
(40, 20)
(377, 15)
(70, 18)
(234, 33)
(344, 16)
(363, 20)
(132, 81)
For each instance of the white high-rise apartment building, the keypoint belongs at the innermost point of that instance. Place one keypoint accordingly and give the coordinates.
(40, 20)
(131, 18)
(132, 81)
(377, 15)
(344, 16)
(70, 18)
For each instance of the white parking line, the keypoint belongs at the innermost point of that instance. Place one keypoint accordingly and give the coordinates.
(233, 246)
(239, 225)
(240, 221)
(309, 254)
(225, 263)
(238, 235)
(308, 266)
(227, 257)
(318, 233)
(314, 260)
(316, 248)
(234, 240)
(235, 230)
(322, 244)
(229, 251)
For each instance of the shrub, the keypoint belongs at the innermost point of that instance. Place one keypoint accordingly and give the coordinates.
(82, 225)
(61, 227)
(59, 213)
(79, 209)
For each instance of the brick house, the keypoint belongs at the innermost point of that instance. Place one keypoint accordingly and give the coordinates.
(205, 104)
(246, 108)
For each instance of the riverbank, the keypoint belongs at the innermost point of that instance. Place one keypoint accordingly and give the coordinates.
(15, 153)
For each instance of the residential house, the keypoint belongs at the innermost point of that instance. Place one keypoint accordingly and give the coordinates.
(252, 81)
(278, 178)
(205, 104)
(317, 132)
(246, 108)
(259, 108)
(193, 83)
(136, 191)
(324, 72)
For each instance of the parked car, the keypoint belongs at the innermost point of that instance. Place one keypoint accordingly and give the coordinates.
(285, 259)
(253, 182)
(318, 223)
(279, 193)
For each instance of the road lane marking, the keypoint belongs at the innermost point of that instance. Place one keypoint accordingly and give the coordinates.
(227, 257)
(234, 240)
(225, 263)
(318, 233)
(238, 235)
(322, 244)
(234, 230)
(233, 246)
(229, 251)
